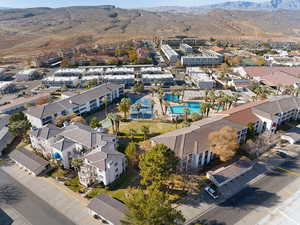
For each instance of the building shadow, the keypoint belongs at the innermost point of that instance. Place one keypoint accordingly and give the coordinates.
(209, 222)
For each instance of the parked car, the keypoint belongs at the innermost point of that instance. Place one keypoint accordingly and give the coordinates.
(283, 155)
(212, 192)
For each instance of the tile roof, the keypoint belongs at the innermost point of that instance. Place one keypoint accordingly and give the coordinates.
(71, 102)
(109, 208)
(28, 159)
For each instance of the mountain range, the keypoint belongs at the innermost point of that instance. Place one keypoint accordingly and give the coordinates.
(32, 31)
(230, 5)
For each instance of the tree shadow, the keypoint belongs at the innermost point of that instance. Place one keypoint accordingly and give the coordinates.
(10, 194)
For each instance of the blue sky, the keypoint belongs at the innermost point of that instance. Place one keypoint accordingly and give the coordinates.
(119, 3)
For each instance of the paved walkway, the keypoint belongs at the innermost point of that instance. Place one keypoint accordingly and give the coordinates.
(55, 196)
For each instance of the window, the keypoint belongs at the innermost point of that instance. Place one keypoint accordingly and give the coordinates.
(116, 163)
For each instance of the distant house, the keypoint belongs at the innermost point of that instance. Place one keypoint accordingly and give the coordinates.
(29, 160)
(108, 209)
(5, 136)
(240, 84)
(7, 87)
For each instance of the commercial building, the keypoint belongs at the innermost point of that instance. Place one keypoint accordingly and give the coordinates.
(201, 79)
(6, 137)
(29, 161)
(108, 209)
(26, 75)
(170, 53)
(203, 58)
(61, 81)
(186, 48)
(191, 144)
(176, 41)
(7, 87)
(85, 102)
(152, 79)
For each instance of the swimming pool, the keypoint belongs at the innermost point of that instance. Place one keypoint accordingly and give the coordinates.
(171, 98)
(194, 107)
(145, 111)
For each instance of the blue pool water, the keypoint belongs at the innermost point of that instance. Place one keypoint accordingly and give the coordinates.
(194, 107)
(171, 98)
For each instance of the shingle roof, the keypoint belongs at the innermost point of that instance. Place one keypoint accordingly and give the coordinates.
(194, 139)
(63, 144)
(28, 159)
(108, 207)
(99, 159)
(46, 132)
(68, 103)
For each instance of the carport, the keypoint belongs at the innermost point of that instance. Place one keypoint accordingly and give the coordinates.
(292, 135)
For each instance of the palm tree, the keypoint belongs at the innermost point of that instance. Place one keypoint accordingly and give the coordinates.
(161, 98)
(138, 107)
(177, 94)
(176, 121)
(124, 106)
(186, 112)
(205, 109)
(173, 95)
(76, 163)
(105, 101)
(145, 131)
(167, 105)
(152, 103)
(111, 117)
(117, 119)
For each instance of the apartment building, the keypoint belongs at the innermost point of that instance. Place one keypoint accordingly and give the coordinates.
(187, 49)
(6, 137)
(203, 58)
(201, 79)
(101, 161)
(61, 81)
(26, 75)
(127, 80)
(69, 72)
(191, 144)
(170, 53)
(80, 103)
(152, 79)
(7, 87)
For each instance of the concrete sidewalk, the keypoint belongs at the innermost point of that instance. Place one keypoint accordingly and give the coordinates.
(59, 199)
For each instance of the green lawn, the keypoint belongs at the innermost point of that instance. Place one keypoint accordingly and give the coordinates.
(58, 173)
(119, 188)
(74, 184)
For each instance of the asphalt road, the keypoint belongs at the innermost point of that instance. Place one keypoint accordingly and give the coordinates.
(262, 193)
(34, 209)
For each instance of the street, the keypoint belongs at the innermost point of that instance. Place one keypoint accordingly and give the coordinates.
(256, 199)
(33, 209)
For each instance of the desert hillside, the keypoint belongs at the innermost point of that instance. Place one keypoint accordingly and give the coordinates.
(31, 31)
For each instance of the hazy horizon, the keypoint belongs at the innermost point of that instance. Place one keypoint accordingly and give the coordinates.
(118, 3)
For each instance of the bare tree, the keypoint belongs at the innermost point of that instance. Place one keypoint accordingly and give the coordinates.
(224, 142)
